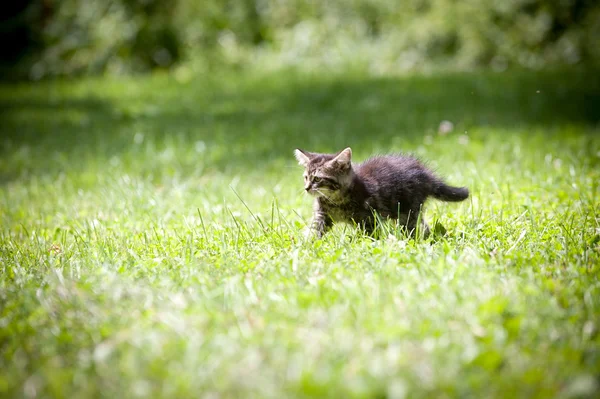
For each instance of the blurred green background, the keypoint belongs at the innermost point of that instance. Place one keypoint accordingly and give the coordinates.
(73, 37)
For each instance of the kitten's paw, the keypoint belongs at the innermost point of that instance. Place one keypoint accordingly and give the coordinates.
(307, 233)
(311, 234)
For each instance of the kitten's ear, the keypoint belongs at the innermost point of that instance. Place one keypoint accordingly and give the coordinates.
(303, 157)
(344, 158)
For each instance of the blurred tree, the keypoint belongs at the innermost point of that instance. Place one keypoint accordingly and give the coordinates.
(18, 21)
(70, 37)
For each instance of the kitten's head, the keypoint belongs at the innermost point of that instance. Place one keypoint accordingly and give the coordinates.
(326, 175)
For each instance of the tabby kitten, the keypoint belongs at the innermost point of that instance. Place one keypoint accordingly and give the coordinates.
(393, 186)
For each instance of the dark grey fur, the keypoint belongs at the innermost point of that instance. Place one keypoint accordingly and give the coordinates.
(393, 186)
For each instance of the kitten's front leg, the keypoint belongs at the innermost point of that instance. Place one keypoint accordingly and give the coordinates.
(321, 222)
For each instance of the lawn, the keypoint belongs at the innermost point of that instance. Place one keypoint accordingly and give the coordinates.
(151, 239)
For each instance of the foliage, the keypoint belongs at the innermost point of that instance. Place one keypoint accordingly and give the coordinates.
(150, 239)
(81, 36)
(87, 37)
(389, 36)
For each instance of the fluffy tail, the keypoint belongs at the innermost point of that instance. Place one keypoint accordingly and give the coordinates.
(447, 193)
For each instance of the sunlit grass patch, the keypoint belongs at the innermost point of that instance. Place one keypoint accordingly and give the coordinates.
(151, 240)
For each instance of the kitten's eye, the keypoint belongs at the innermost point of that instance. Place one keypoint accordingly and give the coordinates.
(316, 179)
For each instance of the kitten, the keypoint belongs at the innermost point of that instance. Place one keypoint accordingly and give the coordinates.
(393, 186)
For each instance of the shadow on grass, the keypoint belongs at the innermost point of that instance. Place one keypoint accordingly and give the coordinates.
(264, 119)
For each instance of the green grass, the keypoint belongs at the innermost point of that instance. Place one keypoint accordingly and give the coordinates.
(151, 239)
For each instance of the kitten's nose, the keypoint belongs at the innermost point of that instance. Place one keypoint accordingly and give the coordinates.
(307, 187)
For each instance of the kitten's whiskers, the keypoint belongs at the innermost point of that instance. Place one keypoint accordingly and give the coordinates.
(328, 198)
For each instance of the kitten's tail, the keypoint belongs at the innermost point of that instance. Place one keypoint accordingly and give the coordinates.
(448, 193)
